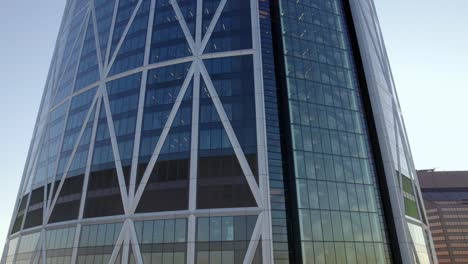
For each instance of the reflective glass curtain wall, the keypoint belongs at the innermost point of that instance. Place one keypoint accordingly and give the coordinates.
(340, 214)
(347, 138)
(150, 141)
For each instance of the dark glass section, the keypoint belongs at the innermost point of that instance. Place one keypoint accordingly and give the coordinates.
(34, 212)
(162, 241)
(169, 179)
(224, 239)
(88, 69)
(68, 202)
(131, 52)
(168, 40)
(103, 197)
(18, 221)
(233, 31)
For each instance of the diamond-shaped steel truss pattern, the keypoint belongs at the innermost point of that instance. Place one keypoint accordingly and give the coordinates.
(101, 46)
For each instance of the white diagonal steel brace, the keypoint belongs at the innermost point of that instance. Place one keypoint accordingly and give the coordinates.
(141, 104)
(39, 248)
(126, 245)
(70, 159)
(84, 189)
(111, 33)
(59, 149)
(122, 38)
(115, 149)
(89, 159)
(231, 134)
(44, 244)
(76, 243)
(135, 244)
(183, 25)
(162, 139)
(212, 25)
(118, 244)
(253, 244)
(262, 146)
(96, 38)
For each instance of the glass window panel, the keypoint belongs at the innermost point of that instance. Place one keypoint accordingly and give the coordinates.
(357, 229)
(215, 228)
(316, 225)
(156, 258)
(158, 231)
(93, 235)
(366, 227)
(350, 253)
(305, 225)
(327, 226)
(215, 257)
(168, 257)
(227, 257)
(179, 257)
(323, 195)
(332, 196)
(303, 194)
(308, 252)
(99, 235)
(313, 195)
(203, 258)
(340, 253)
(84, 240)
(228, 228)
(147, 232)
(203, 229)
(180, 230)
(337, 226)
(169, 231)
(319, 252)
(109, 239)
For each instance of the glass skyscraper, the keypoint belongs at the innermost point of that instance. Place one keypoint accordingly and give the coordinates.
(219, 131)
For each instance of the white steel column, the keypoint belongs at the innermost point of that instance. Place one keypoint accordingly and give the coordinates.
(262, 146)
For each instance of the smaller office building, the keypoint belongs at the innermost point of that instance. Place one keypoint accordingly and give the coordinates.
(445, 195)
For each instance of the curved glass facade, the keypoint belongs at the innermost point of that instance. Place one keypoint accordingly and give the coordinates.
(146, 147)
(203, 131)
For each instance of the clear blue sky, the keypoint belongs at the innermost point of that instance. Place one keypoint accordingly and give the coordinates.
(426, 40)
